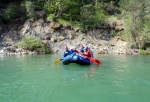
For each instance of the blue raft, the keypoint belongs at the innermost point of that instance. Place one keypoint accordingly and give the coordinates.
(75, 58)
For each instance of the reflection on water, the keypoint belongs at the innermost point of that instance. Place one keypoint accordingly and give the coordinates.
(91, 73)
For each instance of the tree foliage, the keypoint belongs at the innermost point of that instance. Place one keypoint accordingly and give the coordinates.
(137, 15)
(85, 14)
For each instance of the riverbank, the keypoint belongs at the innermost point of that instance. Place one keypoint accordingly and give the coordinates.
(57, 36)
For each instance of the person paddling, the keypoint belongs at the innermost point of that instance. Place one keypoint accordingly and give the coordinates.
(91, 52)
(82, 49)
(66, 52)
(87, 53)
(74, 51)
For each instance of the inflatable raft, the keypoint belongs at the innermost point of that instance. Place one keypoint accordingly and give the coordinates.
(75, 58)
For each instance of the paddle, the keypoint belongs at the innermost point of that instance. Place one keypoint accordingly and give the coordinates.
(94, 60)
(57, 61)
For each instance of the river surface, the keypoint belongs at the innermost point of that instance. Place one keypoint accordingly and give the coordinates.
(35, 78)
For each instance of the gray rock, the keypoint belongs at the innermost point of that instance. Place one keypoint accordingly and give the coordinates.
(47, 36)
(2, 51)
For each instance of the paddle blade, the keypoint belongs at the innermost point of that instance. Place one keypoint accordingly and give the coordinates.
(95, 60)
(57, 61)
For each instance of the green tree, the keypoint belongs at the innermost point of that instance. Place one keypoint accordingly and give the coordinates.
(92, 14)
(30, 9)
(135, 14)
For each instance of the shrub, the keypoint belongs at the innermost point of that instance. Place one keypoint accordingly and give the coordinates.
(145, 52)
(33, 44)
(50, 17)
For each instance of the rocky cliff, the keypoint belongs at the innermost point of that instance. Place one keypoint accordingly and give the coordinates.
(57, 36)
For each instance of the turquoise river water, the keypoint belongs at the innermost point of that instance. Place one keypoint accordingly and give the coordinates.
(35, 78)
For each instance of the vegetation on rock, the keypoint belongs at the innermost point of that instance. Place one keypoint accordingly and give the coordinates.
(33, 44)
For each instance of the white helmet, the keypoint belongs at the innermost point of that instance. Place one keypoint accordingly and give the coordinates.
(72, 48)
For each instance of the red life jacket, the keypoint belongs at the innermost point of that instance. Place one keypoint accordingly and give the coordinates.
(88, 54)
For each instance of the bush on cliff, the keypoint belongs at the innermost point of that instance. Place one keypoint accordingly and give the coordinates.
(145, 52)
(34, 44)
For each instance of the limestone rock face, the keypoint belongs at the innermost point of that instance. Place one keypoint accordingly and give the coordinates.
(57, 36)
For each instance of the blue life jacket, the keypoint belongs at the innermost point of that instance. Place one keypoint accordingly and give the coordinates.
(82, 49)
(65, 53)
